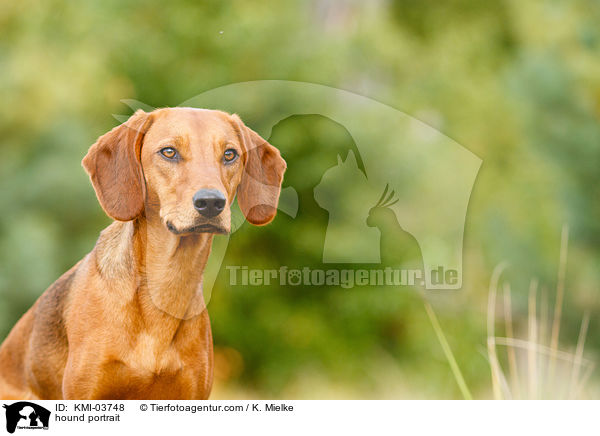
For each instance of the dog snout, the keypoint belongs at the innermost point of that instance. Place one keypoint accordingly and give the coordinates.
(209, 202)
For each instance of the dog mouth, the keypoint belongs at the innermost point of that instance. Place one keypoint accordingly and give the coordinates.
(200, 228)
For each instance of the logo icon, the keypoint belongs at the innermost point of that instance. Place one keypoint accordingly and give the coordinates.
(26, 415)
(431, 175)
(422, 178)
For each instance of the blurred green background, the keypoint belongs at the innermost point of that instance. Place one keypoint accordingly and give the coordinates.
(516, 83)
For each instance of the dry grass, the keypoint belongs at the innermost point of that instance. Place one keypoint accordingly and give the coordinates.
(537, 368)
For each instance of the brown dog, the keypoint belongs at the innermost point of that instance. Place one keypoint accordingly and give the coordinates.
(129, 320)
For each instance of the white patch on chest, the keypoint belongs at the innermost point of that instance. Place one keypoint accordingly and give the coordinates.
(151, 355)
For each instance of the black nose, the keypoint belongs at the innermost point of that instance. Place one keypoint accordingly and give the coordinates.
(209, 202)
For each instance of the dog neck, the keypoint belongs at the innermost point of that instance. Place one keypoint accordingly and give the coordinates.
(165, 270)
(172, 267)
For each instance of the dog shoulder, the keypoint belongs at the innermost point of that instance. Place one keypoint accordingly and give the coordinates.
(49, 309)
(114, 250)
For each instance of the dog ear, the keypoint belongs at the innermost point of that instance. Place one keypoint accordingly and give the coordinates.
(113, 164)
(259, 189)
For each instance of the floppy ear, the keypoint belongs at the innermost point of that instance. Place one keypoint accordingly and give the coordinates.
(258, 192)
(113, 164)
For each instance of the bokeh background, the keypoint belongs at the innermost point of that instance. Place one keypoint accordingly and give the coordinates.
(516, 83)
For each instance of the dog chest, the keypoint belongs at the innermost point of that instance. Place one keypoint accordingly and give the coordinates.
(152, 357)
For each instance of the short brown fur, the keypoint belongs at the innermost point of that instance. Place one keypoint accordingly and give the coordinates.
(129, 320)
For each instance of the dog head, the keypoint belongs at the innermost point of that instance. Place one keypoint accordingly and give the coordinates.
(185, 166)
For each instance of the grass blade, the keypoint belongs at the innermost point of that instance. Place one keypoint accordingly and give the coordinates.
(560, 291)
(512, 358)
(448, 352)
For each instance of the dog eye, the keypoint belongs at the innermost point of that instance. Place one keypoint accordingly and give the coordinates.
(169, 152)
(230, 155)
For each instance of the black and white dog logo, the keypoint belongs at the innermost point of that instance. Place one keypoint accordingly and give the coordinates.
(26, 415)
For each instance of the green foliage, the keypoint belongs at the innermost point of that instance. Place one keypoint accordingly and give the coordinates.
(517, 83)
